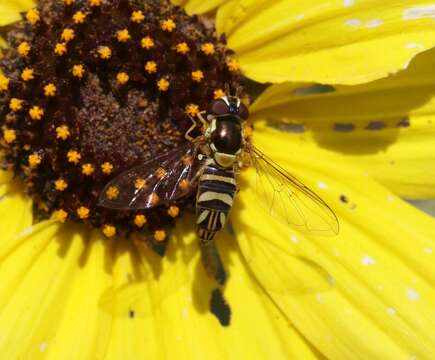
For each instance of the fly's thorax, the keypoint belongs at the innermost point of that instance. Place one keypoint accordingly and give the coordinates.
(225, 136)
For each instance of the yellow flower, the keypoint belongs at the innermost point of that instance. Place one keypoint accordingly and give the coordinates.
(360, 147)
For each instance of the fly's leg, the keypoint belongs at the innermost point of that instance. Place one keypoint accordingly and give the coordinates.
(203, 121)
(194, 125)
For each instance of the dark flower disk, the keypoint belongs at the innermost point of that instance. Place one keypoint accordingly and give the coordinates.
(90, 88)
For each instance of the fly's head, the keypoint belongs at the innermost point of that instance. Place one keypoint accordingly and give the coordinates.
(230, 108)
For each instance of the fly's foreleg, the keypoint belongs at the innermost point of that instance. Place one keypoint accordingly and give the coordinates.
(194, 125)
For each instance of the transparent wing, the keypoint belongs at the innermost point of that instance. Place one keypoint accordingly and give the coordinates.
(163, 179)
(279, 266)
(289, 200)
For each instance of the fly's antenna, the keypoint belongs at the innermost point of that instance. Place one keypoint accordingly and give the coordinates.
(238, 91)
(227, 89)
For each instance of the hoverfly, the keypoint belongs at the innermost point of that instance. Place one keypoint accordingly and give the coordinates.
(209, 164)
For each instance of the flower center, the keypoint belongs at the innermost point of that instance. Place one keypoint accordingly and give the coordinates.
(90, 88)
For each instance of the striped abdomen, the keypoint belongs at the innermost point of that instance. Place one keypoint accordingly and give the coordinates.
(216, 191)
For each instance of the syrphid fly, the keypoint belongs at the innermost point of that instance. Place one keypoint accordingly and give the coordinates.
(209, 164)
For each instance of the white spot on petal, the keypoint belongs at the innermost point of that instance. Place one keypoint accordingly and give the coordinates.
(374, 23)
(428, 250)
(294, 239)
(185, 313)
(43, 346)
(391, 311)
(320, 298)
(391, 198)
(322, 185)
(353, 22)
(300, 17)
(412, 294)
(367, 260)
(348, 2)
(413, 45)
(419, 12)
(413, 357)
(26, 232)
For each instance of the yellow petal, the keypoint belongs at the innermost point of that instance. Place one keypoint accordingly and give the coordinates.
(198, 6)
(55, 289)
(10, 9)
(167, 309)
(346, 42)
(37, 281)
(386, 127)
(81, 311)
(15, 211)
(381, 305)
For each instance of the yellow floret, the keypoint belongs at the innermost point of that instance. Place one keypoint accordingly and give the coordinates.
(107, 168)
(182, 48)
(73, 156)
(88, 169)
(137, 16)
(9, 135)
(207, 48)
(109, 230)
(32, 16)
(163, 85)
(36, 113)
(160, 235)
(122, 78)
(168, 25)
(105, 52)
(67, 35)
(78, 71)
(197, 75)
(60, 185)
(62, 132)
(60, 215)
(140, 220)
(150, 67)
(34, 160)
(147, 43)
(24, 48)
(27, 74)
(83, 212)
(50, 90)
(4, 83)
(123, 35)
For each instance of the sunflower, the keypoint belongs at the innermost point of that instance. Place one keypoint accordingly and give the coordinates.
(70, 290)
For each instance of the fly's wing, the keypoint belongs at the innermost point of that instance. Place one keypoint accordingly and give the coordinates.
(279, 266)
(158, 181)
(288, 200)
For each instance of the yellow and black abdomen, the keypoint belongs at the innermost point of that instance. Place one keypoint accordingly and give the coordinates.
(216, 191)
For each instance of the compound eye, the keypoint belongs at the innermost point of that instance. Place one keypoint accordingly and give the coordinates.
(243, 111)
(219, 107)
